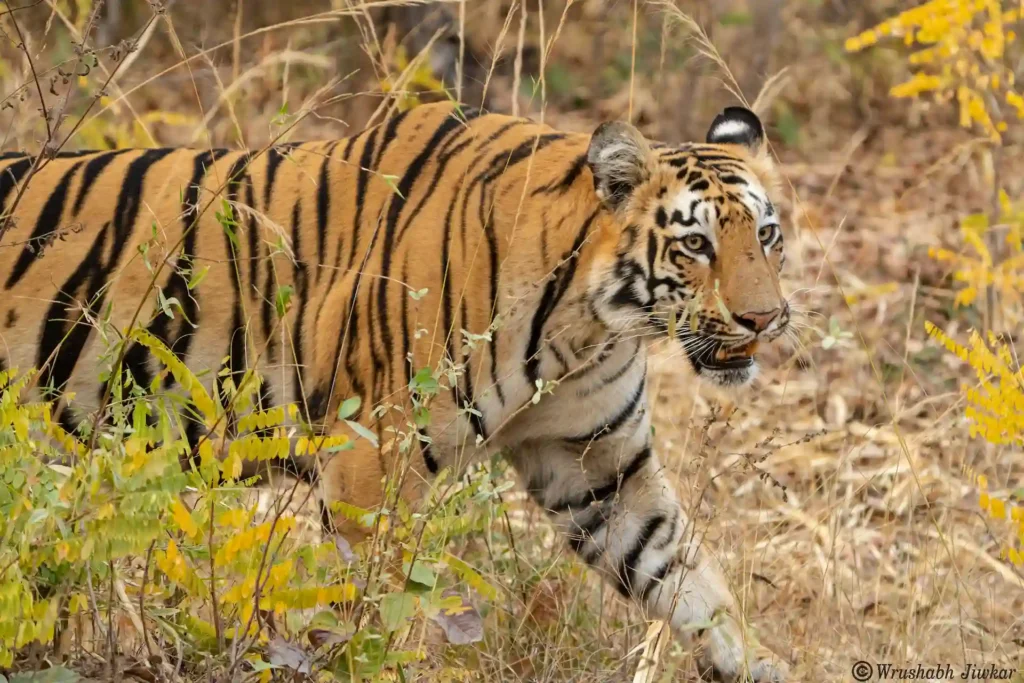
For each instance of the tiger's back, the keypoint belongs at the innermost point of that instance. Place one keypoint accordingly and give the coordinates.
(354, 230)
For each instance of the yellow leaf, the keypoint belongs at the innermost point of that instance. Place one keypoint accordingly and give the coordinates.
(471, 577)
(184, 519)
(232, 467)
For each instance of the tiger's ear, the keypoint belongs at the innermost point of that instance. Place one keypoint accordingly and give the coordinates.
(618, 157)
(737, 126)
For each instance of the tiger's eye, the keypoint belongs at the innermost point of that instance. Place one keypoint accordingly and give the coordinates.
(766, 233)
(695, 242)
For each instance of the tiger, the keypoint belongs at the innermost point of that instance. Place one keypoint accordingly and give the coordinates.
(541, 265)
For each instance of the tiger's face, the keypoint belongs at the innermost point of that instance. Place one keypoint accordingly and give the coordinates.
(700, 248)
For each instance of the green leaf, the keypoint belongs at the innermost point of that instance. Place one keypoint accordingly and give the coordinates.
(197, 277)
(391, 180)
(424, 383)
(349, 407)
(166, 304)
(421, 574)
(283, 299)
(395, 609)
(363, 432)
(471, 577)
(419, 293)
(421, 416)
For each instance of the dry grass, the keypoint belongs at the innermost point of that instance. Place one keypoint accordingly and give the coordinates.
(834, 489)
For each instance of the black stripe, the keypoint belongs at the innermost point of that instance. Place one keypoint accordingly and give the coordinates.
(560, 357)
(657, 577)
(492, 249)
(323, 206)
(597, 362)
(10, 177)
(390, 132)
(300, 276)
(616, 422)
(428, 454)
(326, 520)
(274, 159)
(66, 418)
(404, 189)
(611, 379)
(524, 150)
(553, 292)
(268, 294)
(708, 158)
(627, 569)
(605, 491)
(446, 294)
(673, 527)
(128, 203)
(180, 340)
(130, 198)
(447, 152)
(60, 328)
(319, 399)
(254, 237)
(587, 524)
(236, 344)
(362, 181)
(446, 283)
(360, 199)
(476, 416)
(92, 171)
(46, 228)
(567, 180)
(74, 153)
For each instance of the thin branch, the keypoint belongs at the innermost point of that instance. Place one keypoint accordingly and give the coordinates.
(35, 77)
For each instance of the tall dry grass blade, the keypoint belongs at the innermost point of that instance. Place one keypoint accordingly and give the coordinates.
(771, 90)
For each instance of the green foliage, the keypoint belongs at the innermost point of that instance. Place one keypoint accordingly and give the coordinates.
(94, 532)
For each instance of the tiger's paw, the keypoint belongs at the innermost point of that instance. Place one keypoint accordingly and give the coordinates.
(724, 657)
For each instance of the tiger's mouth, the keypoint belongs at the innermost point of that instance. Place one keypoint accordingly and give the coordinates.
(717, 355)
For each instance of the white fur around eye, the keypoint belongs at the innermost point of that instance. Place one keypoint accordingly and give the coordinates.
(776, 232)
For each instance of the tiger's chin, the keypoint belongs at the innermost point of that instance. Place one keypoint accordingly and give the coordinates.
(729, 378)
(725, 367)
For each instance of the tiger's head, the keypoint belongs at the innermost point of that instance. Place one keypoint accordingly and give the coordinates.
(698, 243)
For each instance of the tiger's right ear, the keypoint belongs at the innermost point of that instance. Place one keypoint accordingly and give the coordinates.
(618, 157)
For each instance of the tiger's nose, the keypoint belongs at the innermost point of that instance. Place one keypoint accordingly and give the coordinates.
(756, 321)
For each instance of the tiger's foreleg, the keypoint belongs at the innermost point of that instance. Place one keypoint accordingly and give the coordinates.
(621, 515)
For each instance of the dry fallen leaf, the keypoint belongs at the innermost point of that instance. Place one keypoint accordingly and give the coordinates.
(461, 625)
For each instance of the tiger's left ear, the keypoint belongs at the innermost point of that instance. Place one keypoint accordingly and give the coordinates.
(618, 157)
(737, 126)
